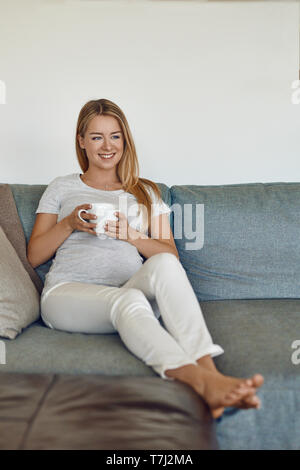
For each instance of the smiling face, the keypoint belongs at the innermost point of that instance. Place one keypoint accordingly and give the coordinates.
(103, 143)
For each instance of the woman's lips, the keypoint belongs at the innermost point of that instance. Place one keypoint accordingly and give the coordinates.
(106, 158)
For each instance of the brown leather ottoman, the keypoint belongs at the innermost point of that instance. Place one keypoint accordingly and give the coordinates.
(46, 411)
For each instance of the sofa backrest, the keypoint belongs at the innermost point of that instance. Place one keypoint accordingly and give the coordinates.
(27, 197)
(247, 244)
(251, 246)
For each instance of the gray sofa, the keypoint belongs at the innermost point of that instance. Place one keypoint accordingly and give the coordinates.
(247, 279)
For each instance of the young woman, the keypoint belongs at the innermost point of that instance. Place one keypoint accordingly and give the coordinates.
(101, 285)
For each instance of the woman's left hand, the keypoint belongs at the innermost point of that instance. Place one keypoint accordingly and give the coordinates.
(119, 229)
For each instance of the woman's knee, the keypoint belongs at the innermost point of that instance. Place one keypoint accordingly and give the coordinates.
(131, 302)
(162, 262)
(47, 314)
(46, 321)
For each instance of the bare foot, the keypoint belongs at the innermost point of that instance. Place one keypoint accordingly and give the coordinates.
(249, 400)
(252, 401)
(220, 391)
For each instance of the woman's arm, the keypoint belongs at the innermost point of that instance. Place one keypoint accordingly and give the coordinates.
(160, 240)
(149, 247)
(47, 235)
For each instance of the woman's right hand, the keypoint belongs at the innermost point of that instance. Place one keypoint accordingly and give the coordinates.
(75, 223)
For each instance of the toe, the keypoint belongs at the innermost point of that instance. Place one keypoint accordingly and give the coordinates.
(249, 402)
(216, 413)
(235, 396)
(257, 380)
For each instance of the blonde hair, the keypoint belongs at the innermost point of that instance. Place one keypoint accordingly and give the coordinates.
(128, 167)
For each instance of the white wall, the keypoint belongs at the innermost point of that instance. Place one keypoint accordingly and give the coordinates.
(206, 87)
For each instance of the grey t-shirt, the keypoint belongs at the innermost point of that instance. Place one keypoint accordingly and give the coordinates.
(83, 257)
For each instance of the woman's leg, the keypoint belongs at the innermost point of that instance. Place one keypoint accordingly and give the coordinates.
(92, 308)
(162, 278)
(79, 307)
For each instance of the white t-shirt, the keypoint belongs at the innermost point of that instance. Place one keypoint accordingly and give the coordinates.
(83, 257)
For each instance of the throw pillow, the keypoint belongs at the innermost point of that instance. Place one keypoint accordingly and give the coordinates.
(19, 299)
(12, 226)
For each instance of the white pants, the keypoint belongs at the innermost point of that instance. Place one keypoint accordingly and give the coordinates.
(159, 287)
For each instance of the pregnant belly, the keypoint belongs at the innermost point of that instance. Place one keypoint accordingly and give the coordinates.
(112, 263)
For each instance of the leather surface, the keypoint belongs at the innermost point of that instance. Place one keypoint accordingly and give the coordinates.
(48, 411)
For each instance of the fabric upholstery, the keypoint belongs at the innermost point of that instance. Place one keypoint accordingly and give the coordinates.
(256, 336)
(11, 225)
(251, 240)
(19, 299)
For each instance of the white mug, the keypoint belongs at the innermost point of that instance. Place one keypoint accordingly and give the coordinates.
(104, 211)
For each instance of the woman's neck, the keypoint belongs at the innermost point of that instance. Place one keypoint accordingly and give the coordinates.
(101, 179)
(100, 183)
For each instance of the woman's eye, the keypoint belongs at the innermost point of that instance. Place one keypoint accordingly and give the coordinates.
(99, 137)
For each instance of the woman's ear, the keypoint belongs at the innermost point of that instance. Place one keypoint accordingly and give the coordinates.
(80, 140)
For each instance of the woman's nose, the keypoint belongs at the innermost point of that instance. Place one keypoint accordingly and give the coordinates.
(106, 144)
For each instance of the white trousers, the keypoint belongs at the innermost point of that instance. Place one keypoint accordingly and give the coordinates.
(159, 287)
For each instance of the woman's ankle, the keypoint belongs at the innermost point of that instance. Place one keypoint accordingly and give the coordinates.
(207, 362)
(186, 374)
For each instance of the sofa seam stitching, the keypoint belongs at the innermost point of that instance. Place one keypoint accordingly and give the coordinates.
(36, 413)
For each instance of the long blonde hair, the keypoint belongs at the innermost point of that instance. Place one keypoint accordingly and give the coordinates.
(128, 167)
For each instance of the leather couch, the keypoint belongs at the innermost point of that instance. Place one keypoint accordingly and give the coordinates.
(93, 412)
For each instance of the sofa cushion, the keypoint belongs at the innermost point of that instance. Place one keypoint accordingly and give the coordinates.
(251, 240)
(19, 299)
(257, 336)
(237, 325)
(40, 349)
(27, 198)
(12, 227)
